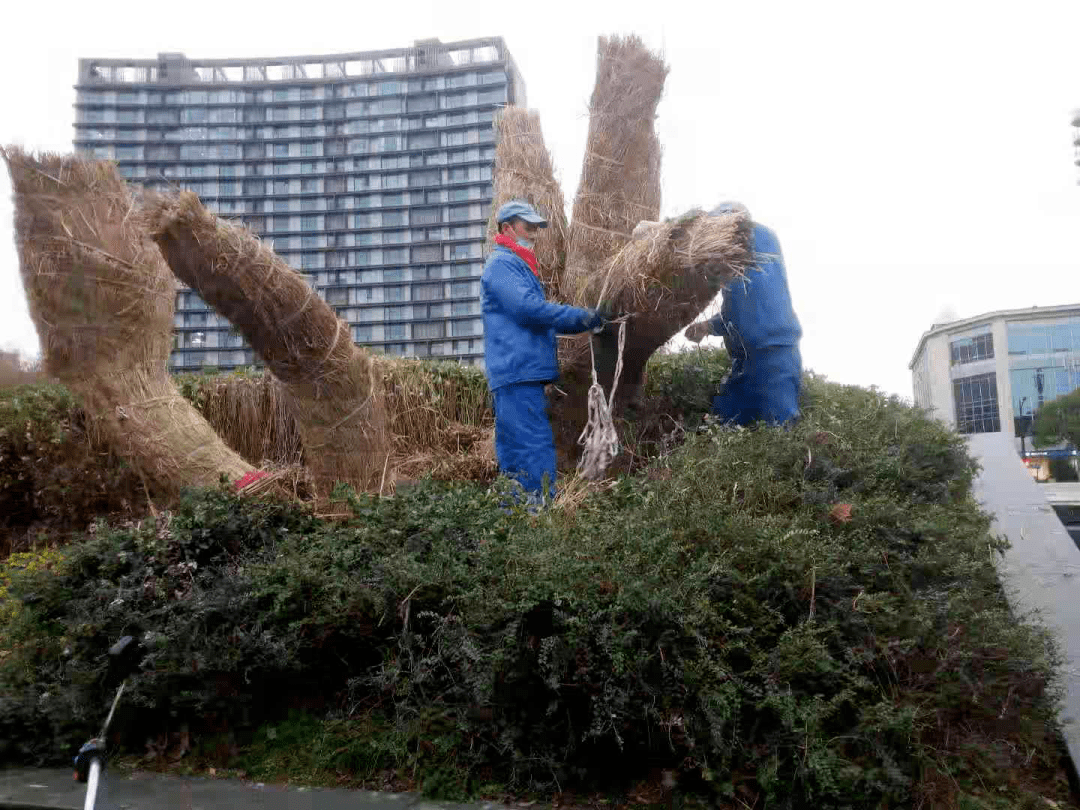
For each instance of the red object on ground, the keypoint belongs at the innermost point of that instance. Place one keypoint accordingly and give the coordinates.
(841, 513)
(249, 478)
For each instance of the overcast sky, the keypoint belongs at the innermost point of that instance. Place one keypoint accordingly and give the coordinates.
(915, 159)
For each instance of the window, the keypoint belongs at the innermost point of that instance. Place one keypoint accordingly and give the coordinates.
(425, 216)
(428, 253)
(394, 218)
(472, 327)
(977, 404)
(436, 329)
(428, 292)
(422, 103)
(425, 178)
(362, 333)
(461, 289)
(968, 350)
(394, 331)
(395, 293)
(423, 140)
(462, 251)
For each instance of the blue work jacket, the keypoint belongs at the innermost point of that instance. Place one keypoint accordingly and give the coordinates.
(520, 324)
(757, 312)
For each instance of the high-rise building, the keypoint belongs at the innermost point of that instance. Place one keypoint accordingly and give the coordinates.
(369, 172)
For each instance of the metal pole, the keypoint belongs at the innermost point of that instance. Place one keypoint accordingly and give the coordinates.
(92, 784)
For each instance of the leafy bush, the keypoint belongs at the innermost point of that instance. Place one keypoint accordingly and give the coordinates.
(1058, 421)
(53, 474)
(786, 618)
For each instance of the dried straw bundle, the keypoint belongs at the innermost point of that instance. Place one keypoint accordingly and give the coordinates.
(524, 171)
(427, 404)
(433, 409)
(675, 267)
(620, 176)
(249, 413)
(328, 383)
(472, 460)
(102, 300)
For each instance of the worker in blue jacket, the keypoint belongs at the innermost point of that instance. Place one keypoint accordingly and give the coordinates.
(520, 355)
(761, 333)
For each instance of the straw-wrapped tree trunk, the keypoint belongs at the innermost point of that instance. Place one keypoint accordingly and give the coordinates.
(102, 300)
(664, 278)
(524, 171)
(329, 384)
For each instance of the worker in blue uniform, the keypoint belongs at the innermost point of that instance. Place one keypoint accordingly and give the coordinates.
(520, 353)
(761, 333)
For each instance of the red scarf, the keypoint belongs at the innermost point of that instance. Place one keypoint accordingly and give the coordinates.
(526, 254)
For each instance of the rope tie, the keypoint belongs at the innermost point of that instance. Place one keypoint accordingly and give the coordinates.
(599, 438)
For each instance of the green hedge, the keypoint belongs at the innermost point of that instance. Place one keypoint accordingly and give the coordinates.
(799, 618)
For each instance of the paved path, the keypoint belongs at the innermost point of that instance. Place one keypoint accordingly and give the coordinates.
(29, 788)
(1041, 570)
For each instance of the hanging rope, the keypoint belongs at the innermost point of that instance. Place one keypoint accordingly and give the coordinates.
(599, 438)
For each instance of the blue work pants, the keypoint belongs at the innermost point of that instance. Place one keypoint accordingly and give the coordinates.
(763, 385)
(524, 442)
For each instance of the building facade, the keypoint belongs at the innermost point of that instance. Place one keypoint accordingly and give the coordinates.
(371, 173)
(982, 374)
(1076, 137)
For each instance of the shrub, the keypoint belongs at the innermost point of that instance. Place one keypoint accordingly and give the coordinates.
(54, 476)
(790, 618)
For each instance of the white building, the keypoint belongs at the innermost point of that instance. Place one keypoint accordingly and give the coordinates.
(979, 374)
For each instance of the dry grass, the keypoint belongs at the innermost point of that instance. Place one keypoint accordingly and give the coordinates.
(473, 458)
(620, 177)
(439, 415)
(328, 383)
(102, 301)
(250, 414)
(426, 402)
(524, 171)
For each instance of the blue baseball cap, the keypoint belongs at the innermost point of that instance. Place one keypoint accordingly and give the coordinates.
(519, 208)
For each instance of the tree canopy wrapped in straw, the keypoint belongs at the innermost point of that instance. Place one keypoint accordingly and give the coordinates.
(674, 267)
(328, 383)
(524, 171)
(620, 176)
(102, 300)
(666, 275)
